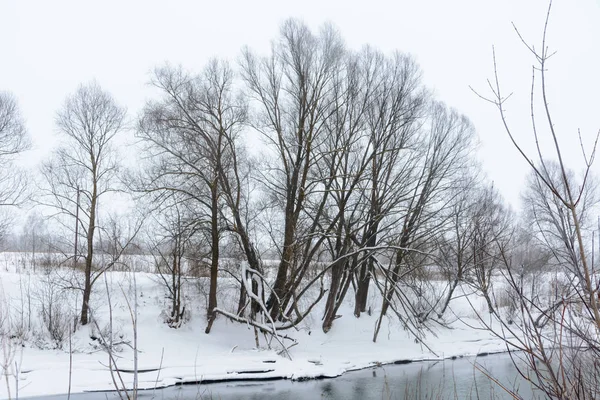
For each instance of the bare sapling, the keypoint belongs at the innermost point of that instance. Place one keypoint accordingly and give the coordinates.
(559, 341)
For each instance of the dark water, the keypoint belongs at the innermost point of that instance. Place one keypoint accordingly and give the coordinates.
(449, 379)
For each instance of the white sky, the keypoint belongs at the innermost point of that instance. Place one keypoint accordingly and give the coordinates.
(47, 48)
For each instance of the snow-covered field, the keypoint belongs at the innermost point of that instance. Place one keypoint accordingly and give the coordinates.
(169, 356)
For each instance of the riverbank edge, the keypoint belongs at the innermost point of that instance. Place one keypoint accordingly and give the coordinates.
(256, 377)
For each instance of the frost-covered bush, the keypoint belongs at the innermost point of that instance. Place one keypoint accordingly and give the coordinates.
(56, 316)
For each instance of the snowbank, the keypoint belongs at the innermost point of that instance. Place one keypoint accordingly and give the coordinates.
(172, 356)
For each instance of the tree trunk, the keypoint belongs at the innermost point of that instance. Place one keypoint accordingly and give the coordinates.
(280, 284)
(87, 289)
(330, 309)
(362, 288)
(345, 281)
(176, 284)
(214, 265)
(451, 290)
(364, 279)
(241, 301)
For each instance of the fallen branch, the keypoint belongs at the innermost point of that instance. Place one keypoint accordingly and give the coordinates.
(261, 327)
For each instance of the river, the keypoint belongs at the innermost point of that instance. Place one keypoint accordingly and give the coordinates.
(448, 379)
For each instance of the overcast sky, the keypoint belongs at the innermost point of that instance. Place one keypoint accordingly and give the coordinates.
(47, 48)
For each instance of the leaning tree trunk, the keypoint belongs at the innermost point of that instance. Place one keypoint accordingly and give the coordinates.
(393, 280)
(344, 284)
(451, 290)
(330, 309)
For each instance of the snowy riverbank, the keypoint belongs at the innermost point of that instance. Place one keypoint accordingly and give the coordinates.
(172, 356)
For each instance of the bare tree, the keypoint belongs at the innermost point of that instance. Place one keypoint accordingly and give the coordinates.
(292, 90)
(13, 141)
(468, 251)
(171, 238)
(562, 356)
(554, 224)
(83, 170)
(341, 169)
(395, 114)
(447, 143)
(492, 231)
(374, 122)
(455, 245)
(35, 232)
(560, 186)
(191, 135)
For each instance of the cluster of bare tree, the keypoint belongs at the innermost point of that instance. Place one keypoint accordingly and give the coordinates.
(355, 183)
(365, 184)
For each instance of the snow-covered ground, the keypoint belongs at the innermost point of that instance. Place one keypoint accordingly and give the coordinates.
(169, 356)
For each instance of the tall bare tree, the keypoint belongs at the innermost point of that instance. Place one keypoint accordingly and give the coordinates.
(83, 170)
(191, 135)
(492, 231)
(447, 143)
(554, 224)
(455, 244)
(395, 114)
(375, 121)
(341, 169)
(13, 141)
(35, 234)
(292, 90)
